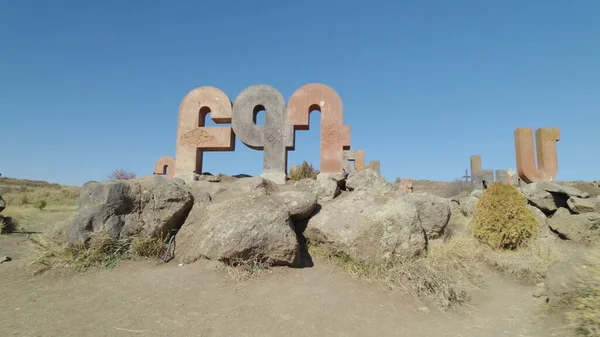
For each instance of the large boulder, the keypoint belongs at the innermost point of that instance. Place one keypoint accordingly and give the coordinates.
(300, 204)
(434, 212)
(324, 189)
(2, 204)
(467, 205)
(245, 228)
(554, 188)
(582, 228)
(542, 199)
(150, 205)
(541, 219)
(580, 205)
(365, 179)
(369, 227)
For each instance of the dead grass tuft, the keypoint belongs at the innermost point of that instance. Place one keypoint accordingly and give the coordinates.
(445, 276)
(100, 250)
(8, 225)
(243, 270)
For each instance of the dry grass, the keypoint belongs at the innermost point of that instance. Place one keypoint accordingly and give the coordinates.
(445, 276)
(304, 171)
(244, 270)
(101, 251)
(55, 196)
(581, 306)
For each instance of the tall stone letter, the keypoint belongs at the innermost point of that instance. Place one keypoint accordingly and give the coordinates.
(193, 137)
(547, 159)
(335, 136)
(165, 165)
(359, 162)
(275, 137)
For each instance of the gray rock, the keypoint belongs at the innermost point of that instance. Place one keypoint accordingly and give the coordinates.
(580, 205)
(458, 221)
(325, 189)
(254, 185)
(369, 227)
(210, 178)
(365, 179)
(300, 204)
(338, 177)
(542, 199)
(554, 188)
(467, 205)
(2, 204)
(187, 177)
(582, 228)
(150, 205)
(477, 193)
(198, 188)
(239, 229)
(434, 212)
(541, 219)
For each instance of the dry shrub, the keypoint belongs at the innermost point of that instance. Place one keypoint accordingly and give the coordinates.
(502, 219)
(146, 246)
(121, 174)
(445, 276)
(8, 225)
(305, 170)
(582, 304)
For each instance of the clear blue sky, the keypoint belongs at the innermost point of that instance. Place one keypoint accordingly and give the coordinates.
(87, 87)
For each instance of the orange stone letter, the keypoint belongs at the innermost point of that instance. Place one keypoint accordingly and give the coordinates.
(193, 137)
(165, 165)
(547, 159)
(335, 136)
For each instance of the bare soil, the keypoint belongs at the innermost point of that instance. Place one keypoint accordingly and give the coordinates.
(148, 298)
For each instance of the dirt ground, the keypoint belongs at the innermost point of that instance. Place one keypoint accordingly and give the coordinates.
(147, 298)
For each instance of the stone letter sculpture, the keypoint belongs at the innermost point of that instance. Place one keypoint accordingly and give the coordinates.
(547, 159)
(480, 179)
(406, 186)
(275, 137)
(165, 165)
(359, 162)
(193, 137)
(335, 136)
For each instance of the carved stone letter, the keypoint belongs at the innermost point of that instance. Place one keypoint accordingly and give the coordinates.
(193, 137)
(359, 162)
(547, 159)
(335, 136)
(165, 165)
(275, 137)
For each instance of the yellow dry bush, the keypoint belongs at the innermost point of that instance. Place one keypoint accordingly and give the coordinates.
(502, 219)
(305, 170)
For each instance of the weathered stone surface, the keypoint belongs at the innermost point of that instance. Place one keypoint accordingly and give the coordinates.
(239, 229)
(580, 205)
(151, 205)
(300, 204)
(547, 159)
(541, 219)
(335, 136)
(542, 199)
(458, 221)
(483, 179)
(187, 177)
(434, 212)
(477, 193)
(275, 137)
(349, 159)
(467, 205)
(502, 176)
(365, 179)
(475, 162)
(359, 162)
(197, 188)
(324, 189)
(2, 204)
(369, 227)
(582, 228)
(192, 135)
(554, 188)
(340, 178)
(165, 166)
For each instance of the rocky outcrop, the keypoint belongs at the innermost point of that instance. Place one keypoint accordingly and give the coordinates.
(150, 205)
(324, 189)
(300, 204)
(580, 205)
(433, 211)
(369, 227)
(365, 179)
(249, 227)
(582, 228)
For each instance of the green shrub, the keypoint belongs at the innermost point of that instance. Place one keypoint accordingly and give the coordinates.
(502, 219)
(41, 204)
(305, 170)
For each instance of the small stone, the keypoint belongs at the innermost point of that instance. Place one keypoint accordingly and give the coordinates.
(5, 259)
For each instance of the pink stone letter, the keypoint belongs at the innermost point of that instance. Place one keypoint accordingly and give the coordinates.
(547, 159)
(165, 165)
(335, 136)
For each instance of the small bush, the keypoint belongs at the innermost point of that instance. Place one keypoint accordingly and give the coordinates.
(121, 174)
(244, 270)
(23, 199)
(502, 219)
(41, 204)
(305, 170)
(8, 225)
(146, 246)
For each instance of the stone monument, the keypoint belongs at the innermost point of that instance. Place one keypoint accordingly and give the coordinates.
(547, 159)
